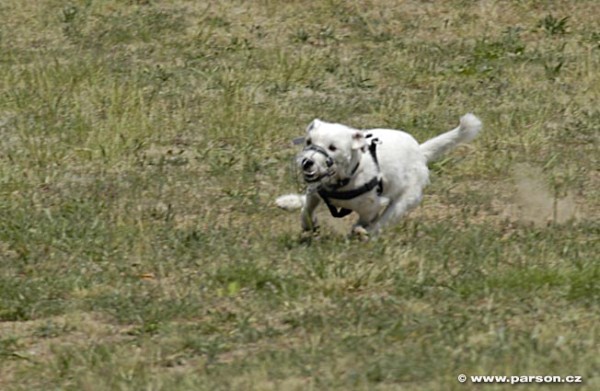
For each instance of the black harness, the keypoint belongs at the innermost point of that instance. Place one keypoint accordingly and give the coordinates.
(327, 194)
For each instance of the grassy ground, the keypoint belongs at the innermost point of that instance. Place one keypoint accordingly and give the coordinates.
(143, 142)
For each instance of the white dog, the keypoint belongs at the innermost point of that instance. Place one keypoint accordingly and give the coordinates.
(379, 174)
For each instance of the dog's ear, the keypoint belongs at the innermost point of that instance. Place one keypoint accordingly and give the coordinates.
(358, 140)
(313, 125)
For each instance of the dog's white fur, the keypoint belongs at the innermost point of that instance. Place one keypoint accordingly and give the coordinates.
(402, 168)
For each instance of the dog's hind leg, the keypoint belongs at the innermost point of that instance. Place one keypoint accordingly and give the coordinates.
(309, 221)
(396, 209)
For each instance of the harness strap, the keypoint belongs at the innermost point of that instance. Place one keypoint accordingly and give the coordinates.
(343, 212)
(345, 181)
(350, 194)
(373, 149)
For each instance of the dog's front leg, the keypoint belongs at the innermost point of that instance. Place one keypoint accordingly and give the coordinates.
(309, 221)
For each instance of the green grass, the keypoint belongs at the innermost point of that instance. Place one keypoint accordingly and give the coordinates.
(142, 144)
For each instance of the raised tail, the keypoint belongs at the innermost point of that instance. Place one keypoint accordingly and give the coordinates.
(469, 127)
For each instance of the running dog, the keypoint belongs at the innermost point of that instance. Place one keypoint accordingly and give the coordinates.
(380, 174)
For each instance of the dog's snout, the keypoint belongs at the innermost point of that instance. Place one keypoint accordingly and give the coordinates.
(307, 163)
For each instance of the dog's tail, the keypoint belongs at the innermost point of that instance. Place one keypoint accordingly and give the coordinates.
(469, 127)
(291, 201)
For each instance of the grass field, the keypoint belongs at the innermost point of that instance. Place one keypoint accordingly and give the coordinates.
(142, 144)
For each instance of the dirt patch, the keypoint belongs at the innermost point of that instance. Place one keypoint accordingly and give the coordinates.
(523, 198)
(534, 202)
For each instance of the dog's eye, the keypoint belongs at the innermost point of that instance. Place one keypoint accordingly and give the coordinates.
(308, 141)
(332, 148)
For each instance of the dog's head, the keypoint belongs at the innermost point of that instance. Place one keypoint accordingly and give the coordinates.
(330, 153)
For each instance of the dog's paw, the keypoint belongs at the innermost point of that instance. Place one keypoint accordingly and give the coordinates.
(360, 233)
(309, 225)
(291, 202)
